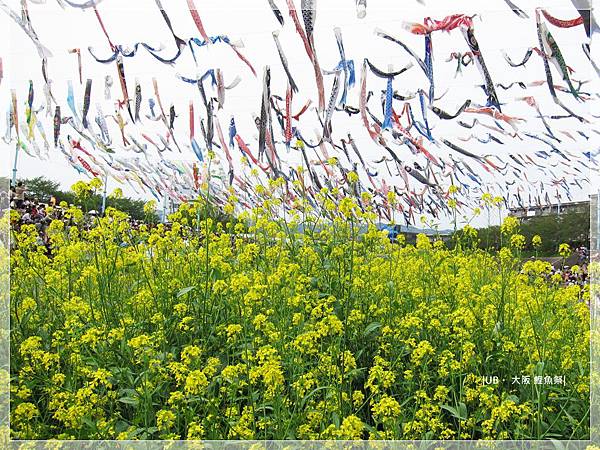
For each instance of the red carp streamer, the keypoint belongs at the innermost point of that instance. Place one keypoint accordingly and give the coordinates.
(197, 21)
(86, 166)
(112, 47)
(288, 113)
(562, 23)
(447, 24)
(191, 121)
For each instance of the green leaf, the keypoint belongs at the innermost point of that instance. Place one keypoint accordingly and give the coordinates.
(131, 392)
(335, 417)
(453, 412)
(371, 327)
(129, 401)
(313, 392)
(460, 413)
(89, 422)
(121, 426)
(355, 372)
(462, 409)
(513, 398)
(185, 291)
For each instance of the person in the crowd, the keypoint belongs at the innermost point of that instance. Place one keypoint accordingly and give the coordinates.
(20, 194)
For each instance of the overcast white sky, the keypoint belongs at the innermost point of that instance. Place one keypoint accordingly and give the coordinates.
(253, 22)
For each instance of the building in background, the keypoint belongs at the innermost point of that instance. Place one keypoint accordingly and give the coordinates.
(410, 233)
(528, 212)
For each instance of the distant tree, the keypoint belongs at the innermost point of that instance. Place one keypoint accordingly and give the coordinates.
(571, 227)
(489, 237)
(135, 208)
(41, 188)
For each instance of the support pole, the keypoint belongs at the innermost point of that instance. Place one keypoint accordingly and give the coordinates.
(164, 210)
(14, 171)
(104, 193)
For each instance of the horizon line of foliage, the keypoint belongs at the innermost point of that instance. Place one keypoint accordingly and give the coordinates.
(570, 227)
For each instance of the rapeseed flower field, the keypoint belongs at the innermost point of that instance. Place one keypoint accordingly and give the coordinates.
(254, 330)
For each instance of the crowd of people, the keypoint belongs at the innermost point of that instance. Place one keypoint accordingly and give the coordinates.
(572, 270)
(577, 274)
(583, 255)
(32, 211)
(573, 275)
